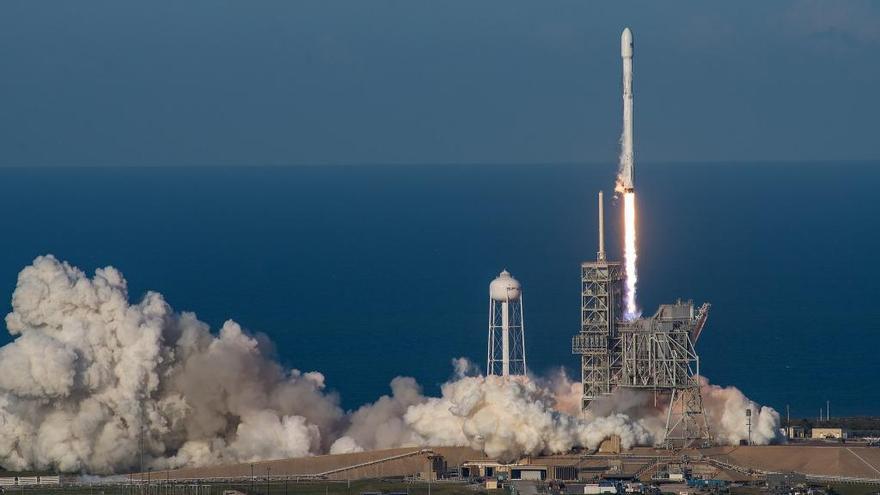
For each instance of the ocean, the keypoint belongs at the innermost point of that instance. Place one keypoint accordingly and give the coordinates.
(368, 272)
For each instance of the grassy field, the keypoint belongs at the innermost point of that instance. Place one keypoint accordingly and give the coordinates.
(839, 489)
(855, 489)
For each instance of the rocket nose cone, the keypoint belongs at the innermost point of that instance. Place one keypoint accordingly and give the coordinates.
(626, 44)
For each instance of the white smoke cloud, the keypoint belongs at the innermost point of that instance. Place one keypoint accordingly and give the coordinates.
(89, 372)
(725, 409)
(727, 416)
(511, 418)
(504, 417)
(381, 425)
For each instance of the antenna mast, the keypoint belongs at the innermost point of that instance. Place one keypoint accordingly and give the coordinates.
(600, 256)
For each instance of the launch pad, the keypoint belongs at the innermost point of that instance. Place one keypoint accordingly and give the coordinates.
(655, 353)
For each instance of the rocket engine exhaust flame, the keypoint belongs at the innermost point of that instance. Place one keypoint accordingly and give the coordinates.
(629, 255)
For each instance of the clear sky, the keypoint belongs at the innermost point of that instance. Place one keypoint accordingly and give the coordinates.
(425, 81)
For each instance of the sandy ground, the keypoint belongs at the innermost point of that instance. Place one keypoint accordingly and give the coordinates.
(832, 459)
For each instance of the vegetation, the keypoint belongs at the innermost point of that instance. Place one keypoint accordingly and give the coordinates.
(852, 489)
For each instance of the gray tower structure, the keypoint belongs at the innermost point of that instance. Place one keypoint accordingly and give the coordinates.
(655, 354)
(597, 342)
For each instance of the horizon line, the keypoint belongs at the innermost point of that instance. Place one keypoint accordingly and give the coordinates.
(725, 162)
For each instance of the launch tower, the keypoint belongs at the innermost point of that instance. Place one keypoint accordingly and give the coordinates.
(654, 354)
(598, 342)
(658, 354)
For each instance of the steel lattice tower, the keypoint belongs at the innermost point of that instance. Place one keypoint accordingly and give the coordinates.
(658, 354)
(655, 354)
(597, 342)
(686, 421)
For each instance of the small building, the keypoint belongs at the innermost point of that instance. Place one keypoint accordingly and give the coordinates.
(483, 468)
(841, 433)
(600, 488)
(489, 469)
(633, 487)
(50, 480)
(796, 431)
(528, 473)
(564, 473)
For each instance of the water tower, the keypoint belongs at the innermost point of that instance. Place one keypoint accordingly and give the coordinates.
(507, 348)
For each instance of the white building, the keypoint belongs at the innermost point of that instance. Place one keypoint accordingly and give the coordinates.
(841, 433)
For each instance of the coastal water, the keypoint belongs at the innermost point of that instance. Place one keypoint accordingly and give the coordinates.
(369, 272)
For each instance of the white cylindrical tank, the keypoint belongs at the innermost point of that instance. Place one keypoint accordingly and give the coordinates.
(505, 288)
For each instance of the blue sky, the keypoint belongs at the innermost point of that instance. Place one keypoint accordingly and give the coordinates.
(412, 81)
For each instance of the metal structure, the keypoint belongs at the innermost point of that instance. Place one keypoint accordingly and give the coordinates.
(506, 353)
(658, 354)
(598, 342)
(655, 354)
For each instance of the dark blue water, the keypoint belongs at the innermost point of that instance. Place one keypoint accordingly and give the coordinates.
(368, 272)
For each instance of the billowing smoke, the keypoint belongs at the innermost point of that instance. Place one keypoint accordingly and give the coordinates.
(725, 409)
(505, 418)
(727, 413)
(381, 425)
(90, 374)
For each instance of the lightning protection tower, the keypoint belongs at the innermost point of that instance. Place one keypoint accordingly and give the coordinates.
(598, 342)
(506, 353)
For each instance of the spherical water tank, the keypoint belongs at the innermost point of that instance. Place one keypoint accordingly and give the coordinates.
(505, 288)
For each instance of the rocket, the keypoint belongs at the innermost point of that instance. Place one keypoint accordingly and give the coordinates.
(626, 140)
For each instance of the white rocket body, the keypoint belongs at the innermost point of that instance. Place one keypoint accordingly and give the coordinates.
(626, 153)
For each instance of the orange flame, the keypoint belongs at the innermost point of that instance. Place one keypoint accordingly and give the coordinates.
(629, 254)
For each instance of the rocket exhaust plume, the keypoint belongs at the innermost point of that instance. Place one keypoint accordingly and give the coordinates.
(629, 254)
(625, 178)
